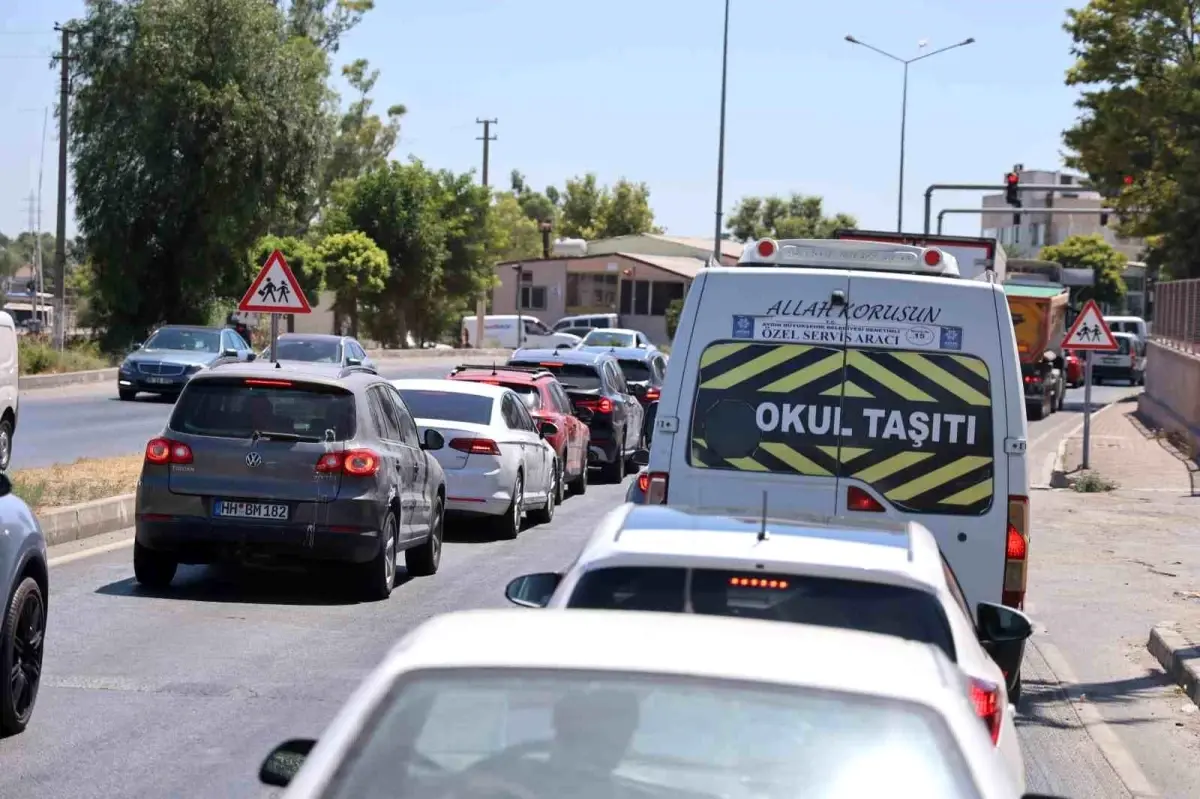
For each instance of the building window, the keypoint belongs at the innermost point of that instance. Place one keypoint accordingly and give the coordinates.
(641, 298)
(533, 298)
(663, 294)
(573, 290)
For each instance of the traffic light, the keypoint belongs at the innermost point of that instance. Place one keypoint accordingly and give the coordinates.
(1010, 190)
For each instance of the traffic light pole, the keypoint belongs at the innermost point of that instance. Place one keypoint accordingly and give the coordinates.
(1095, 211)
(1053, 188)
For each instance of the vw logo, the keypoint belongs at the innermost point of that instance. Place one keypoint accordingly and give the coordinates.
(254, 460)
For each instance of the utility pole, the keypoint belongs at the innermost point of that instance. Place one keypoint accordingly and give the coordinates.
(60, 241)
(481, 302)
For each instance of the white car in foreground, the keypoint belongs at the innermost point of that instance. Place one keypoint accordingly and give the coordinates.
(887, 577)
(497, 461)
(589, 704)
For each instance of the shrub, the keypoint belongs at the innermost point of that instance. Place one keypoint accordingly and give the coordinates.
(37, 355)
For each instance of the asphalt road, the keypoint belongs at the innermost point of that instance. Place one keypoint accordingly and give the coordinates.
(182, 694)
(61, 425)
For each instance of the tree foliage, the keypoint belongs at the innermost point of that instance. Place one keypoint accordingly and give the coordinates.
(354, 266)
(794, 217)
(518, 234)
(592, 211)
(674, 311)
(193, 125)
(1091, 252)
(1137, 66)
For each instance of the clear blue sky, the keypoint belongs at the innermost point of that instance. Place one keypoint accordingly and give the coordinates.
(630, 88)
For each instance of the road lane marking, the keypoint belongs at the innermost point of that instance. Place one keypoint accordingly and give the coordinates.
(112, 546)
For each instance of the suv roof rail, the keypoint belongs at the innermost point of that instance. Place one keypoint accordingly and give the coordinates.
(496, 367)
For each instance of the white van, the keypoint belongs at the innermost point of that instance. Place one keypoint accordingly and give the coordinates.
(587, 321)
(9, 390)
(500, 332)
(855, 379)
(1128, 324)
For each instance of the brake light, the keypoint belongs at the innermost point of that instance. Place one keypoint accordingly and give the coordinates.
(652, 394)
(354, 462)
(860, 500)
(758, 582)
(602, 405)
(254, 381)
(656, 488)
(475, 446)
(986, 699)
(163, 450)
(643, 482)
(550, 364)
(932, 257)
(1016, 552)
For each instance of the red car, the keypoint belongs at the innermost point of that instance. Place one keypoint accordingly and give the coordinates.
(1074, 370)
(546, 401)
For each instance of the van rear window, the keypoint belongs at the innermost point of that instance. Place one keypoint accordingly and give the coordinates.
(914, 425)
(235, 409)
(896, 611)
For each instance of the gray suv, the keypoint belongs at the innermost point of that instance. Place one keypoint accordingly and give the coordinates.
(297, 462)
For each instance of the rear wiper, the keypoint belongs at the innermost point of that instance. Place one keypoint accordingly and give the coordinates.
(273, 436)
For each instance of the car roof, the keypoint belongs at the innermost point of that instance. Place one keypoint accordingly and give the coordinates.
(589, 356)
(624, 353)
(451, 386)
(888, 550)
(314, 336)
(1123, 334)
(189, 327)
(330, 374)
(749, 649)
(622, 330)
(509, 374)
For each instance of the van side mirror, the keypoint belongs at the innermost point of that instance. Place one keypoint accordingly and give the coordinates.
(1003, 632)
(432, 440)
(532, 590)
(284, 762)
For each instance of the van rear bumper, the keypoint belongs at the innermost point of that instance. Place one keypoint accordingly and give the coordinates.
(191, 539)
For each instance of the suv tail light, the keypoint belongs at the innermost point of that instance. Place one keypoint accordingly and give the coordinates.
(1016, 552)
(656, 487)
(354, 462)
(602, 405)
(164, 450)
(857, 499)
(475, 446)
(986, 699)
(652, 394)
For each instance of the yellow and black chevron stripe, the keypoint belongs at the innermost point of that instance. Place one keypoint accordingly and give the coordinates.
(942, 477)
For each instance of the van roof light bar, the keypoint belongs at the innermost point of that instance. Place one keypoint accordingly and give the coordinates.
(848, 254)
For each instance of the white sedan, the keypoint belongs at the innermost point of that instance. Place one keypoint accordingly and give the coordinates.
(497, 461)
(518, 705)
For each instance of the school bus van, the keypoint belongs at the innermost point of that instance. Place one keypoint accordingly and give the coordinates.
(855, 379)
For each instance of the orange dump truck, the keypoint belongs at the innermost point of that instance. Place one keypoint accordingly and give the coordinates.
(1039, 315)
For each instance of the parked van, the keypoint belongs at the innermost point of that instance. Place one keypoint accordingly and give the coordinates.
(9, 390)
(851, 378)
(588, 321)
(1129, 324)
(500, 332)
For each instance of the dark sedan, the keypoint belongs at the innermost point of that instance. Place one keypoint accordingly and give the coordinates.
(322, 348)
(173, 354)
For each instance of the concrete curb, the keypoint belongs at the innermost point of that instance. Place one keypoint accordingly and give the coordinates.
(1178, 657)
(87, 519)
(60, 379)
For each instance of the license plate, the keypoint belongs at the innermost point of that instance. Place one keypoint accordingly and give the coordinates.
(250, 510)
(159, 381)
(1111, 360)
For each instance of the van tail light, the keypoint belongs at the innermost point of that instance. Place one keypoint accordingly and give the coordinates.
(1016, 552)
(652, 394)
(354, 462)
(475, 446)
(162, 451)
(602, 405)
(985, 697)
(857, 499)
(643, 479)
(656, 487)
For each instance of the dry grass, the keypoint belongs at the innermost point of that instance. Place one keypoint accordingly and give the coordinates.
(82, 481)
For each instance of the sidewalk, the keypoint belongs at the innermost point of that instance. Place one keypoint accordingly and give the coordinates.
(1105, 568)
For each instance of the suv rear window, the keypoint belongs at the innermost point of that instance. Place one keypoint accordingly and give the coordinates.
(915, 425)
(572, 375)
(890, 610)
(449, 406)
(238, 409)
(635, 371)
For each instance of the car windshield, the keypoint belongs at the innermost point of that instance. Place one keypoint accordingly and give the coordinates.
(609, 338)
(585, 735)
(313, 350)
(240, 408)
(635, 371)
(573, 376)
(449, 406)
(182, 338)
(892, 610)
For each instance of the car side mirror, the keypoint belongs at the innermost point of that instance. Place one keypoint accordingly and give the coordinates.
(135, 347)
(284, 762)
(584, 415)
(432, 441)
(532, 590)
(229, 352)
(251, 356)
(1003, 632)
(354, 361)
(641, 457)
(548, 429)
(565, 346)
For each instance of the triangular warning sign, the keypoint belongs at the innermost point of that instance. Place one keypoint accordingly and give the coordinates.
(1090, 331)
(275, 290)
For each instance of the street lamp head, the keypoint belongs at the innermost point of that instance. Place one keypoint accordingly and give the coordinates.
(970, 40)
(851, 39)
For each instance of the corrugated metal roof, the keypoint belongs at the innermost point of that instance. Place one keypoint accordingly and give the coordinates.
(680, 265)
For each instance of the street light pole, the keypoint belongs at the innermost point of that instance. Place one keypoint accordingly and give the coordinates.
(721, 141)
(905, 62)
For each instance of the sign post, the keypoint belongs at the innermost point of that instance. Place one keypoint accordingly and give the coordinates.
(275, 291)
(1089, 333)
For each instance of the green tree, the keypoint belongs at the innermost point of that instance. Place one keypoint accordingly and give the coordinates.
(193, 125)
(592, 211)
(1136, 137)
(674, 310)
(518, 233)
(536, 205)
(323, 22)
(354, 266)
(1091, 252)
(795, 217)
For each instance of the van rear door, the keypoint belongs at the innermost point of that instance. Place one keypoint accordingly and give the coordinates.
(759, 405)
(926, 416)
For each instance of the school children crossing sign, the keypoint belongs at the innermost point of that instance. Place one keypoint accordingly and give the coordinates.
(275, 290)
(1090, 331)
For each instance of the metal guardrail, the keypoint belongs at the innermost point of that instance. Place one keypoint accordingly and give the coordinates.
(1177, 315)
